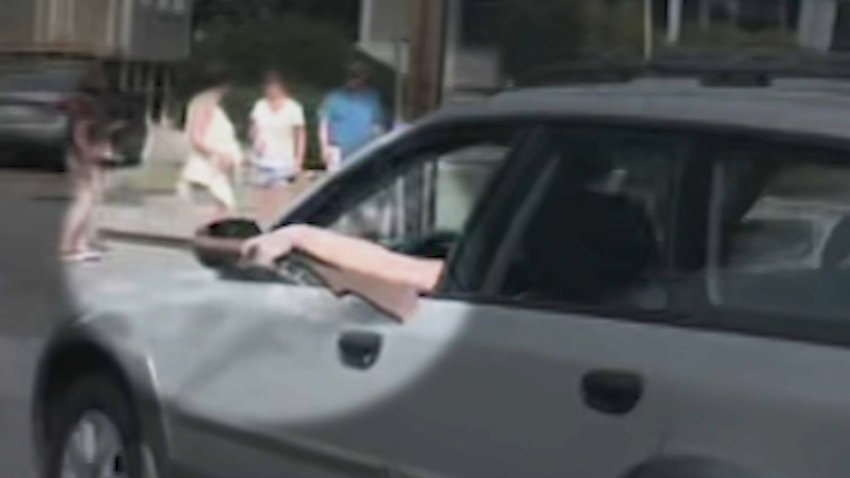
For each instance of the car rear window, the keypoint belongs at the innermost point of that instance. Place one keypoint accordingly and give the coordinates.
(781, 247)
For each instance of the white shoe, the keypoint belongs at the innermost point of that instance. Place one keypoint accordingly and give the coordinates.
(82, 256)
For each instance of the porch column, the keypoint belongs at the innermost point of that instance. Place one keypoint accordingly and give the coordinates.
(648, 31)
(816, 24)
(674, 21)
(454, 24)
(704, 14)
(41, 9)
(367, 11)
(426, 56)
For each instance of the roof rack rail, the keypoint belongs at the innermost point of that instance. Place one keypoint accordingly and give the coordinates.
(770, 63)
(586, 67)
(711, 67)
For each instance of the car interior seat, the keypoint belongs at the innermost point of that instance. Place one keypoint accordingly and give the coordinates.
(587, 243)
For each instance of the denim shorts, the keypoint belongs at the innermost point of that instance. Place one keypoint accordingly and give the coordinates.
(270, 177)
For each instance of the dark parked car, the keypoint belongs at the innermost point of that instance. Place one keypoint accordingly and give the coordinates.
(34, 115)
(604, 312)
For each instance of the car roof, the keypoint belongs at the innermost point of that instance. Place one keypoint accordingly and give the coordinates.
(806, 107)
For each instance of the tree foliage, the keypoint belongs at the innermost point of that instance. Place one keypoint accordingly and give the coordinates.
(535, 34)
(303, 49)
(342, 13)
(540, 35)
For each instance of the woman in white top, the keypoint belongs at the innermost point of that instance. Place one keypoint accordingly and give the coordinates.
(279, 142)
(215, 151)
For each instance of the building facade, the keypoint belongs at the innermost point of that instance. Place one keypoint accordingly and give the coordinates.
(133, 30)
(470, 58)
(141, 42)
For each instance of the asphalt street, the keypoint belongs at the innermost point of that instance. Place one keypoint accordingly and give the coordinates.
(32, 299)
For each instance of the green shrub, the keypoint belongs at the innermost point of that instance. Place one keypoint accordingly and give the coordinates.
(539, 35)
(546, 37)
(311, 54)
(304, 50)
(613, 28)
(536, 34)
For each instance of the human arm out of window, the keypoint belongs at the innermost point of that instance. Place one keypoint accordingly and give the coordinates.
(324, 133)
(81, 139)
(300, 147)
(254, 129)
(379, 125)
(300, 135)
(347, 253)
(198, 126)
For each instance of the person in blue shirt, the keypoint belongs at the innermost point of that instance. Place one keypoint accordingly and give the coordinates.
(350, 116)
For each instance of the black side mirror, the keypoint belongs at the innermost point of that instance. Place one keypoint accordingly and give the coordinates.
(217, 245)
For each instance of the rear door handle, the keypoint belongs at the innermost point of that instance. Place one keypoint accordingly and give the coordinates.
(612, 392)
(360, 350)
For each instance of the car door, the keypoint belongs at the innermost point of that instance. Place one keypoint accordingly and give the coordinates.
(487, 380)
(276, 378)
(760, 375)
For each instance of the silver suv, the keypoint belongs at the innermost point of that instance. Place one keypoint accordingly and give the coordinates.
(645, 280)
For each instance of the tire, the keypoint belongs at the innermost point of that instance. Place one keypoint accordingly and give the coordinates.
(98, 400)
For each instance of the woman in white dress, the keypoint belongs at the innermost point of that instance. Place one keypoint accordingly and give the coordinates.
(215, 150)
(279, 142)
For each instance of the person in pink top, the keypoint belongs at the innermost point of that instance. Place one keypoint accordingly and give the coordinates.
(91, 149)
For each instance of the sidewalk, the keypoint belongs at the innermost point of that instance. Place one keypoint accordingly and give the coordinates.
(153, 218)
(142, 206)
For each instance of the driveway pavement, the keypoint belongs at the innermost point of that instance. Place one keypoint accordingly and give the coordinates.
(132, 211)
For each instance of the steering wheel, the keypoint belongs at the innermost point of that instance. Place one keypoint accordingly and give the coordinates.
(294, 269)
(290, 270)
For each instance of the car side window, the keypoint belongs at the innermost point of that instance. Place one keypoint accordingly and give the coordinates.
(779, 233)
(592, 230)
(422, 207)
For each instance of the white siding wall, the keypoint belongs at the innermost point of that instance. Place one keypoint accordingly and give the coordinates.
(147, 30)
(92, 25)
(17, 22)
(161, 30)
(385, 22)
(385, 29)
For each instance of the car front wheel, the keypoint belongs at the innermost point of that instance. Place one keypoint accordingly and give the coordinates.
(96, 433)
